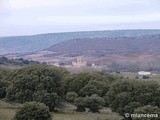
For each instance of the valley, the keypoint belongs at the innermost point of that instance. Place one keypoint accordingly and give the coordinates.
(110, 53)
(84, 78)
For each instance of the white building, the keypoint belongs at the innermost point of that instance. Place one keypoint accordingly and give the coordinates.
(93, 65)
(79, 63)
(56, 64)
(144, 73)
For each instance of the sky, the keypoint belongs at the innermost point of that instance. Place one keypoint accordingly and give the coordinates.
(26, 17)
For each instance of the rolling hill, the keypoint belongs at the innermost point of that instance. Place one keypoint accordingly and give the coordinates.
(21, 44)
(118, 53)
(125, 46)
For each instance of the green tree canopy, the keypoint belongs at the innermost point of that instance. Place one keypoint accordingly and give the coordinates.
(71, 96)
(94, 103)
(91, 83)
(34, 80)
(4, 82)
(80, 103)
(94, 87)
(33, 111)
(124, 95)
(148, 109)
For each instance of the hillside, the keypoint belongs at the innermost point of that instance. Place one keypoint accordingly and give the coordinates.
(119, 53)
(5, 62)
(21, 44)
(106, 46)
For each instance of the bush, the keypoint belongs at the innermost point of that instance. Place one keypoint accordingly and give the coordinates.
(148, 109)
(131, 107)
(94, 103)
(94, 87)
(2, 93)
(33, 111)
(3, 86)
(106, 100)
(80, 103)
(71, 96)
(145, 77)
(52, 100)
(4, 83)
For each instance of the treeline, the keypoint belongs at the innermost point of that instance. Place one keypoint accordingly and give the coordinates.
(88, 91)
(17, 62)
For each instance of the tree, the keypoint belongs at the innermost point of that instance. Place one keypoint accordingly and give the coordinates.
(31, 81)
(3, 86)
(71, 96)
(80, 103)
(52, 100)
(4, 82)
(2, 93)
(94, 103)
(79, 82)
(126, 95)
(75, 82)
(131, 107)
(148, 109)
(33, 111)
(106, 100)
(94, 87)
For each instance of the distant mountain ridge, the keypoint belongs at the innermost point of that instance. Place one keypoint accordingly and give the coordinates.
(21, 44)
(125, 46)
(133, 53)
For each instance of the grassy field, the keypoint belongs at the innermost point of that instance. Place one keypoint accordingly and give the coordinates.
(87, 116)
(7, 112)
(132, 75)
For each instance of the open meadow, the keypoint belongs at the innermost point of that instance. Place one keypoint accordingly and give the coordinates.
(133, 75)
(7, 112)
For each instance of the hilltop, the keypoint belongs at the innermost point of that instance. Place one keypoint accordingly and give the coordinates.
(21, 44)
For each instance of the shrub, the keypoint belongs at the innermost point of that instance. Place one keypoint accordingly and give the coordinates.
(94, 103)
(94, 87)
(2, 93)
(52, 100)
(80, 103)
(33, 111)
(3, 86)
(71, 96)
(148, 109)
(146, 77)
(106, 100)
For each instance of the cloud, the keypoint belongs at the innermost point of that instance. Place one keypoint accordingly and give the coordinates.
(56, 12)
(3, 11)
(84, 20)
(82, 7)
(78, 12)
(19, 4)
(1, 4)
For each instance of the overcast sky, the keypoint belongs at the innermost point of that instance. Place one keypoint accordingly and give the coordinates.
(23, 17)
